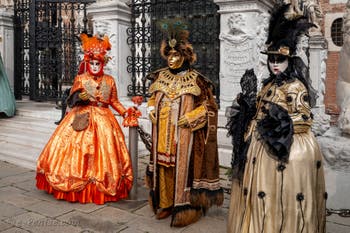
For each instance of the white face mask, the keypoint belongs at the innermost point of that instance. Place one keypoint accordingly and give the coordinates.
(278, 67)
(95, 66)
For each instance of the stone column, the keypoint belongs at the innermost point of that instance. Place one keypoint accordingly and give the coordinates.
(113, 18)
(6, 42)
(241, 40)
(243, 32)
(317, 71)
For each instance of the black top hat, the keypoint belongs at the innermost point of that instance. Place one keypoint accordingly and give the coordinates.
(284, 29)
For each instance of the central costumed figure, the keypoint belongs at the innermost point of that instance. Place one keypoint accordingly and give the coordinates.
(183, 173)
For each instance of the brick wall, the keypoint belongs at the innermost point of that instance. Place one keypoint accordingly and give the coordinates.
(332, 76)
(332, 64)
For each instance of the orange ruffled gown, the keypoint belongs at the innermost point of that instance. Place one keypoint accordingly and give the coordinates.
(92, 165)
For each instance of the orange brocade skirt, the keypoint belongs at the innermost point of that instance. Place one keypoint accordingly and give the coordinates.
(86, 166)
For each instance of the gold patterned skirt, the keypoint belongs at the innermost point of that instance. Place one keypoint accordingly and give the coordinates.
(92, 165)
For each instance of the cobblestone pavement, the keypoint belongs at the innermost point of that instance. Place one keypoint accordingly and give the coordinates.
(26, 209)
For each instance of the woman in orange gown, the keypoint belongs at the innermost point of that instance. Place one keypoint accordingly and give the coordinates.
(86, 159)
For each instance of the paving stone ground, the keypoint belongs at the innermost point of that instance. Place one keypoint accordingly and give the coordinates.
(23, 208)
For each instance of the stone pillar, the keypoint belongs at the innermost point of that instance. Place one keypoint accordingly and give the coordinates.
(6, 42)
(241, 40)
(113, 18)
(317, 71)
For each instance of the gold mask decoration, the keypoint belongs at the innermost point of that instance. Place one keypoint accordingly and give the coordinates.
(175, 59)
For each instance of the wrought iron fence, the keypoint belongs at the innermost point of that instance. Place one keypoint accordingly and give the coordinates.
(144, 38)
(47, 46)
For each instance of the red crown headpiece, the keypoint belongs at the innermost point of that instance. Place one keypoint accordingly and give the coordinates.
(95, 47)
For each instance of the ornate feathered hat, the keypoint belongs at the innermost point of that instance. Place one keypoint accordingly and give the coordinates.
(177, 34)
(95, 47)
(285, 27)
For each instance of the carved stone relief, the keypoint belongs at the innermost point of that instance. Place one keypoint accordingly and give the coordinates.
(311, 9)
(102, 28)
(261, 71)
(237, 53)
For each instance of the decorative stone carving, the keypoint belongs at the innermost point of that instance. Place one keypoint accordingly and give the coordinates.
(262, 71)
(241, 41)
(237, 30)
(335, 149)
(104, 28)
(343, 82)
(317, 70)
(113, 18)
(238, 54)
(311, 9)
(242, 38)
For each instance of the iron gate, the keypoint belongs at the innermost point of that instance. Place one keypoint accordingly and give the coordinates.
(144, 38)
(47, 46)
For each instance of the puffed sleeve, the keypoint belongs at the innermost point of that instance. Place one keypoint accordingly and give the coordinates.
(205, 109)
(298, 107)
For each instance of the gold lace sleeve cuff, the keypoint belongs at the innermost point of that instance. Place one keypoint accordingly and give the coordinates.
(197, 118)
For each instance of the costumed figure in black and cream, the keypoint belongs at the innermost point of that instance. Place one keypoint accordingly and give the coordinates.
(278, 179)
(183, 173)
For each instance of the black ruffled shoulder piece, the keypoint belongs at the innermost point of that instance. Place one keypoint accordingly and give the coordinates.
(276, 130)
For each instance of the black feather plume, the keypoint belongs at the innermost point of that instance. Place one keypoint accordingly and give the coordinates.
(285, 28)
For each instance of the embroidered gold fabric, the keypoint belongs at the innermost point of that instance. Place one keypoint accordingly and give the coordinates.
(166, 186)
(291, 96)
(175, 85)
(197, 118)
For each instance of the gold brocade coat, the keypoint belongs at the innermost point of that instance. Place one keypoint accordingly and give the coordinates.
(193, 151)
(281, 197)
(98, 156)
